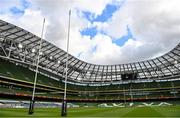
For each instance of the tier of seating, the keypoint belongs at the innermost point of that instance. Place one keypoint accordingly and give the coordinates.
(54, 87)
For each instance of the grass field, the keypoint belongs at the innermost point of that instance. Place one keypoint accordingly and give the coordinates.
(167, 111)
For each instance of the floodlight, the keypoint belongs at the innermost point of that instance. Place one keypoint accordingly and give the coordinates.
(51, 57)
(58, 61)
(79, 78)
(33, 50)
(1, 39)
(88, 73)
(40, 53)
(20, 45)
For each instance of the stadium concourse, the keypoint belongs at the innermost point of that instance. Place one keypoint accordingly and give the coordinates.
(156, 79)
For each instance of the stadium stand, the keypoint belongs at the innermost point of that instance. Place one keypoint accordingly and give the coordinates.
(155, 79)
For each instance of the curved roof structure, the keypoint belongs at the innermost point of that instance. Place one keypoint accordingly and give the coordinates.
(22, 46)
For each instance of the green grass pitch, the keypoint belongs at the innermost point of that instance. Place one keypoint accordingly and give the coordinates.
(163, 111)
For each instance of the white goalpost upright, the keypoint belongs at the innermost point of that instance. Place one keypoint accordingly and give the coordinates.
(31, 106)
(64, 101)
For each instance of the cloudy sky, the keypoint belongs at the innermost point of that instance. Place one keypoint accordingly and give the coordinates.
(102, 31)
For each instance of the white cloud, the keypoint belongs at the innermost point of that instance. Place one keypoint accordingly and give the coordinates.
(102, 50)
(31, 20)
(155, 25)
(57, 14)
(6, 4)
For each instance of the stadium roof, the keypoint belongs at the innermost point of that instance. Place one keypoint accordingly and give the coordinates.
(22, 46)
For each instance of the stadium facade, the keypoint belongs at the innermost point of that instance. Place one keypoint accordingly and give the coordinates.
(154, 79)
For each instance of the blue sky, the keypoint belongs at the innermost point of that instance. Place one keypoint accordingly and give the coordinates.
(121, 41)
(18, 8)
(15, 10)
(106, 15)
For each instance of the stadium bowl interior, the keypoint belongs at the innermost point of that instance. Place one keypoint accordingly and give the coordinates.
(154, 79)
